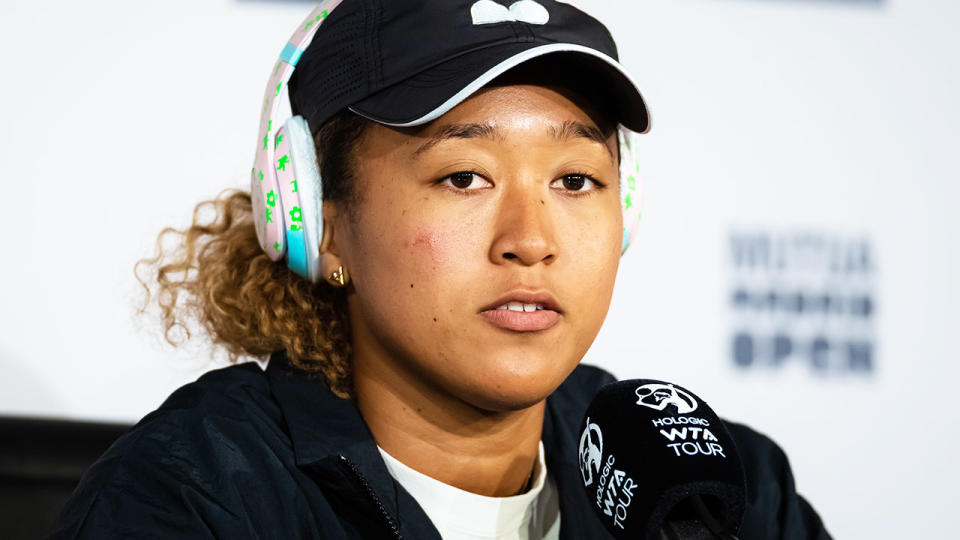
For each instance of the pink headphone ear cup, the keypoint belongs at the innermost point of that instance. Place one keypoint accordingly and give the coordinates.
(630, 185)
(267, 209)
(293, 214)
(304, 158)
(268, 217)
(272, 220)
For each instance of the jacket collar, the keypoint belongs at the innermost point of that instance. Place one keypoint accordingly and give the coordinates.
(320, 423)
(324, 427)
(329, 436)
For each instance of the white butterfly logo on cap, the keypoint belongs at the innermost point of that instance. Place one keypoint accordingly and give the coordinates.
(490, 12)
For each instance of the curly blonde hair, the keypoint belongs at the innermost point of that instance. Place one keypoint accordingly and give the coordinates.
(216, 274)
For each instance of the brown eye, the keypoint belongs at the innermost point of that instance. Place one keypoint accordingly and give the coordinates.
(574, 182)
(461, 180)
(465, 180)
(580, 183)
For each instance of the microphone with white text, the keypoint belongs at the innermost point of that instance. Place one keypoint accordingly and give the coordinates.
(658, 464)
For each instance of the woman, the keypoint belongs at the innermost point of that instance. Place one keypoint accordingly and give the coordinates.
(426, 307)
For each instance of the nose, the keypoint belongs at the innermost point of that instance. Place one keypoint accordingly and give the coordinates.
(524, 228)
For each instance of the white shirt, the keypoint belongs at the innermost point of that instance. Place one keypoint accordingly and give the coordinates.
(461, 515)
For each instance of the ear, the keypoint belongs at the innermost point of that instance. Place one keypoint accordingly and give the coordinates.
(330, 257)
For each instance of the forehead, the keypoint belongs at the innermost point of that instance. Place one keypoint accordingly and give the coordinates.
(522, 104)
(498, 111)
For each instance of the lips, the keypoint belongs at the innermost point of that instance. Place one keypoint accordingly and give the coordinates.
(523, 312)
(543, 299)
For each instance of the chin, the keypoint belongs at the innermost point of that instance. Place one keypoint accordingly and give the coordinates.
(496, 402)
(505, 388)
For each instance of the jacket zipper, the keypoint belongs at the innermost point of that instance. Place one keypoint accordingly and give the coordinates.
(394, 528)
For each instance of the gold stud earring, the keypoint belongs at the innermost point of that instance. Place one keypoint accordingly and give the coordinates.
(338, 276)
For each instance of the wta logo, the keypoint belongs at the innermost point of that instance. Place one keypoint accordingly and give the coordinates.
(591, 452)
(659, 396)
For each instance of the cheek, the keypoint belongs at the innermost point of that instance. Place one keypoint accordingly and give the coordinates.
(599, 236)
(443, 246)
(439, 263)
(596, 258)
(429, 244)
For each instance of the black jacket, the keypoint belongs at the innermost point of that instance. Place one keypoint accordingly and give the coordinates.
(242, 453)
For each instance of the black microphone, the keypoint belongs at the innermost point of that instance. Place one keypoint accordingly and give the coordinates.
(658, 464)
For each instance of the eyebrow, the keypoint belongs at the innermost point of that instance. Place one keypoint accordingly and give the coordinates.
(572, 129)
(458, 131)
(569, 129)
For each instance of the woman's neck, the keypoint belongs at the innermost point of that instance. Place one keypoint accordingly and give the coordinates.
(445, 437)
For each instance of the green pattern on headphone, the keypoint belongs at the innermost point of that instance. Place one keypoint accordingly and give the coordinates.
(323, 15)
(260, 175)
(269, 214)
(272, 198)
(294, 182)
(276, 247)
(278, 139)
(266, 137)
(282, 162)
(296, 217)
(631, 188)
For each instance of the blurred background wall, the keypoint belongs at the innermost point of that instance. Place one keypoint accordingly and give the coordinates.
(796, 263)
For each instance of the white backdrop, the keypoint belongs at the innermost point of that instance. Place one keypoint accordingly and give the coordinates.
(783, 117)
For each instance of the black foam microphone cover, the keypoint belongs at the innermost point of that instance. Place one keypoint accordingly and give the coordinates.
(657, 462)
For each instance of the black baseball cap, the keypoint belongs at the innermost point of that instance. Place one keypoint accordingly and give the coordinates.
(407, 62)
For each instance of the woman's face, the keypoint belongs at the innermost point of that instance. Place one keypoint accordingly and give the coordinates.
(509, 201)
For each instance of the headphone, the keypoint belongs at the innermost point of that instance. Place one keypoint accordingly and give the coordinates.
(285, 184)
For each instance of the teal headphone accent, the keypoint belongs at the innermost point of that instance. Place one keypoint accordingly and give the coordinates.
(286, 187)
